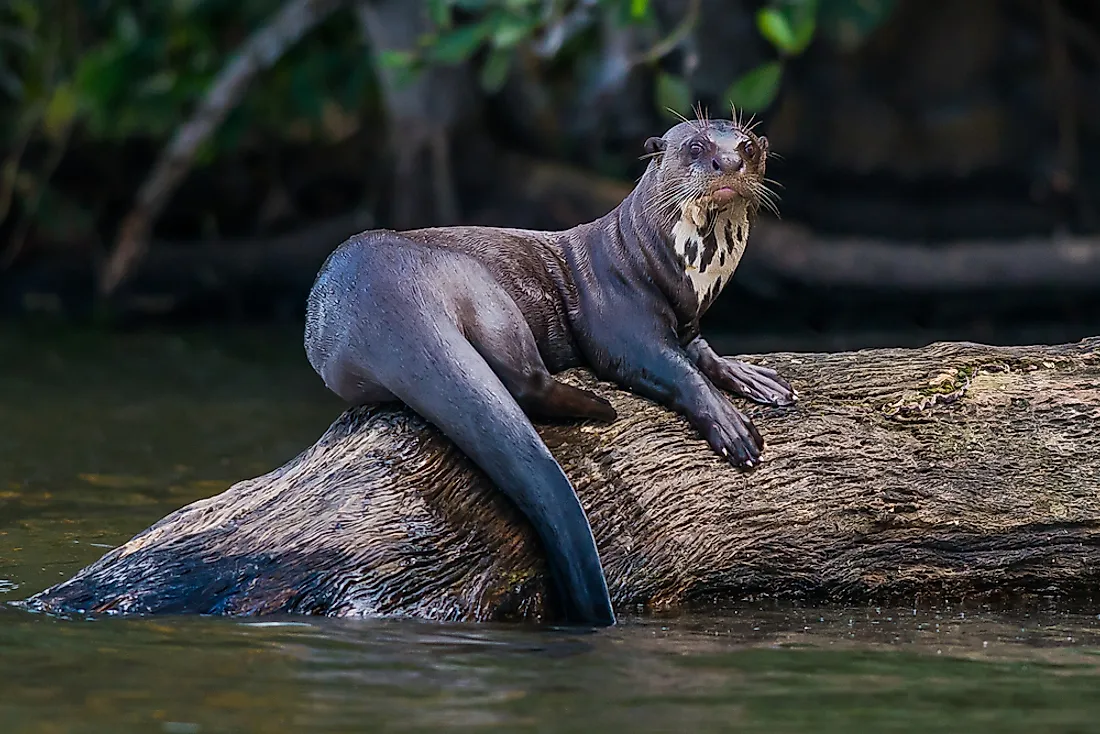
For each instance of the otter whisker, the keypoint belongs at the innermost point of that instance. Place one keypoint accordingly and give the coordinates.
(765, 197)
(670, 193)
(673, 200)
(765, 191)
(702, 115)
(771, 206)
(741, 124)
(760, 187)
(763, 184)
(665, 200)
(767, 194)
(680, 116)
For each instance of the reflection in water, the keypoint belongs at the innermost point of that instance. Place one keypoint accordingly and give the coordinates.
(113, 433)
(753, 668)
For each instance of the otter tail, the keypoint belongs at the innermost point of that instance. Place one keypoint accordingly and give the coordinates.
(451, 385)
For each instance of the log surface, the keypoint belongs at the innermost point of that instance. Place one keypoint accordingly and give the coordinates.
(950, 472)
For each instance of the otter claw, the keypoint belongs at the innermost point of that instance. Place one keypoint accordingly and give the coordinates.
(755, 383)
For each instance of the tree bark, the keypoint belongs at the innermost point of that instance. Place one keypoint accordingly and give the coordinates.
(956, 471)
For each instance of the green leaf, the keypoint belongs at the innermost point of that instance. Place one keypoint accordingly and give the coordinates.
(510, 31)
(461, 43)
(401, 65)
(495, 71)
(440, 13)
(804, 28)
(101, 82)
(60, 110)
(394, 59)
(638, 8)
(774, 26)
(756, 89)
(789, 29)
(673, 93)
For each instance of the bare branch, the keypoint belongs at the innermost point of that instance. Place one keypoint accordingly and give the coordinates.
(259, 52)
(905, 476)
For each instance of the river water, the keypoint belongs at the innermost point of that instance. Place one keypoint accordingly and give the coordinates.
(101, 435)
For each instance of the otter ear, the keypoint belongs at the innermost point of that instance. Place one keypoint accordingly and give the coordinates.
(654, 145)
(763, 144)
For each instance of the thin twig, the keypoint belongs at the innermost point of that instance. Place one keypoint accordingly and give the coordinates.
(670, 42)
(563, 27)
(9, 174)
(30, 212)
(259, 52)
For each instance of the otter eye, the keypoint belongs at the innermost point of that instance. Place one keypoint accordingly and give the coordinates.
(696, 149)
(749, 148)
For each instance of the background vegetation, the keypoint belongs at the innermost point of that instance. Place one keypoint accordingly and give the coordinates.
(189, 122)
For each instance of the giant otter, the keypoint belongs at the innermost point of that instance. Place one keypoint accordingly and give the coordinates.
(466, 325)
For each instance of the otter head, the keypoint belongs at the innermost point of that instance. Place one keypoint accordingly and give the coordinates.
(705, 181)
(710, 164)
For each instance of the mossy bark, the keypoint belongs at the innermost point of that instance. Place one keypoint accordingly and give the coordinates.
(952, 471)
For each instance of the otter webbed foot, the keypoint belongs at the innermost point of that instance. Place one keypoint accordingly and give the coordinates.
(759, 384)
(559, 400)
(753, 382)
(663, 372)
(731, 434)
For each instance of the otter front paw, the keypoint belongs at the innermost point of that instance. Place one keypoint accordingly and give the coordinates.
(733, 436)
(753, 382)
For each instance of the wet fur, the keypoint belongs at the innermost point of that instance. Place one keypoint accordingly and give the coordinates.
(467, 324)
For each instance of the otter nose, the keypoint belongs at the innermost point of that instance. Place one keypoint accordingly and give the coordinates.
(728, 163)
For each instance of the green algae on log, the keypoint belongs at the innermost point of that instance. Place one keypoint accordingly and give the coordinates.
(955, 471)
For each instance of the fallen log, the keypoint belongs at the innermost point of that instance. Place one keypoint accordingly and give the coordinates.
(955, 471)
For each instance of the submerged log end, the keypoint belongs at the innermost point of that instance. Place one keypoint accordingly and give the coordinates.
(949, 472)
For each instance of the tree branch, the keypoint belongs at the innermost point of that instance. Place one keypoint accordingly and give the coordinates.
(904, 476)
(259, 52)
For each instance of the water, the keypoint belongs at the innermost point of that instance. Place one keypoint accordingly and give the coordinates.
(102, 435)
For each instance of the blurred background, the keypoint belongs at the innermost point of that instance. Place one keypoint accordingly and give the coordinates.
(173, 173)
(193, 161)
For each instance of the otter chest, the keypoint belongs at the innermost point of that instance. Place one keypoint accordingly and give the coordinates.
(710, 244)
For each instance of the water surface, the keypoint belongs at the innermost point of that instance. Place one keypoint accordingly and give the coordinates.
(101, 435)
